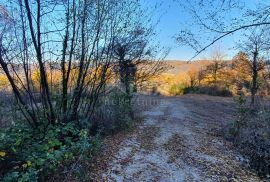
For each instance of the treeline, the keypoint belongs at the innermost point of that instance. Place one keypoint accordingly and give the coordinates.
(241, 75)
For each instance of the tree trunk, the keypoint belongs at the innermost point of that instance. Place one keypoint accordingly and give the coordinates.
(254, 87)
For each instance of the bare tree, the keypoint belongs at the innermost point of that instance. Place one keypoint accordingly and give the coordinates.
(255, 47)
(193, 77)
(136, 58)
(218, 19)
(201, 76)
(75, 38)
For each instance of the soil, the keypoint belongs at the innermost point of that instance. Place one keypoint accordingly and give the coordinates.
(178, 139)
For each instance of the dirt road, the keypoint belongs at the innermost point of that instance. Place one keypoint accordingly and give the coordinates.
(179, 140)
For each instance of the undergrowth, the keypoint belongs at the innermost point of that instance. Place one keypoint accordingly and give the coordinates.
(250, 132)
(31, 155)
(37, 154)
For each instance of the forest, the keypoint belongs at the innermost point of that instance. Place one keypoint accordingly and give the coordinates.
(91, 91)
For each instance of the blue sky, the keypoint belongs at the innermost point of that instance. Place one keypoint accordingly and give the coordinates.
(173, 18)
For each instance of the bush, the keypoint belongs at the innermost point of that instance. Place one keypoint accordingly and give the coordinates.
(177, 89)
(31, 155)
(251, 134)
(209, 90)
(191, 90)
(113, 113)
(181, 89)
(216, 91)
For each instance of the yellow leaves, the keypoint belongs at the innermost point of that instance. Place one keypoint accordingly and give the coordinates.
(2, 154)
(3, 81)
(36, 78)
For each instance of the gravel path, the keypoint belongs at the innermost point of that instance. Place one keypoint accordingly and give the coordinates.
(178, 141)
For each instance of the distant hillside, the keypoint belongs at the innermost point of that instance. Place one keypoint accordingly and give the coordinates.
(185, 66)
(177, 74)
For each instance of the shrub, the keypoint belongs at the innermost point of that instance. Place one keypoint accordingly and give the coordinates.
(243, 113)
(181, 89)
(113, 113)
(253, 141)
(31, 155)
(191, 90)
(177, 89)
(251, 134)
(209, 90)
